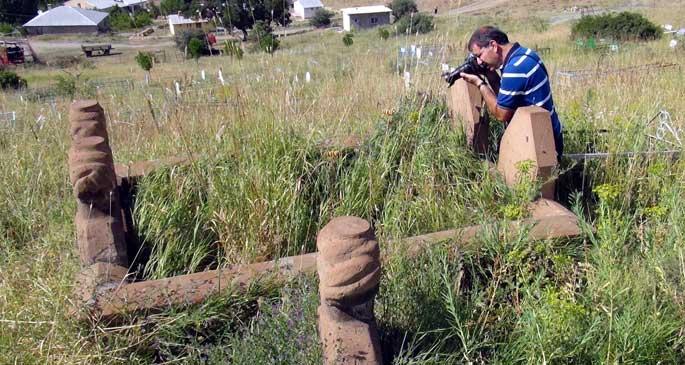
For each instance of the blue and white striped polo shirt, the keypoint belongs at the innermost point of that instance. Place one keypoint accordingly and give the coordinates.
(525, 82)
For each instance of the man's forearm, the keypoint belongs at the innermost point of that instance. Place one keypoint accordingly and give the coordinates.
(490, 99)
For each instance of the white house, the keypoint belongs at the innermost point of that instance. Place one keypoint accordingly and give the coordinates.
(130, 5)
(305, 9)
(64, 19)
(177, 23)
(365, 17)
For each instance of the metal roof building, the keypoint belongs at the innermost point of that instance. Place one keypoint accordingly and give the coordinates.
(65, 19)
(106, 4)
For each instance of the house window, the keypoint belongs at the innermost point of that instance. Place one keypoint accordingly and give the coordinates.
(374, 20)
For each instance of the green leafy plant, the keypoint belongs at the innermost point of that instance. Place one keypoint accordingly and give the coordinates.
(402, 8)
(321, 19)
(421, 23)
(6, 28)
(348, 39)
(267, 42)
(232, 49)
(195, 47)
(10, 80)
(383, 33)
(625, 26)
(145, 60)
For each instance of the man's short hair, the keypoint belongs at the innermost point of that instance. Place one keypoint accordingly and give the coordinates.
(483, 35)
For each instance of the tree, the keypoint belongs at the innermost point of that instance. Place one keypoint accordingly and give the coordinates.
(10, 80)
(267, 42)
(420, 23)
(119, 19)
(195, 48)
(183, 40)
(242, 14)
(321, 18)
(401, 8)
(142, 19)
(144, 60)
(18, 12)
(171, 6)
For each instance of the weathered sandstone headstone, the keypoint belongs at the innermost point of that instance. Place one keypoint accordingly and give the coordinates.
(527, 150)
(465, 104)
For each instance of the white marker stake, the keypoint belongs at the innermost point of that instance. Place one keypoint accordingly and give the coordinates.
(418, 52)
(296, 79)
(307, 77)
(221, 78)
(202, 75)
(407, 79)
(178, 88)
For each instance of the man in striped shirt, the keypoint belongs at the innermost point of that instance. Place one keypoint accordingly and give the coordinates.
(525, 80)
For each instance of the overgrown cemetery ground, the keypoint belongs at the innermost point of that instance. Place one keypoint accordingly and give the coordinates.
(272, 156)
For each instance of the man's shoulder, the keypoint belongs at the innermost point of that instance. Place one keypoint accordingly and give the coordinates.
(522, 60)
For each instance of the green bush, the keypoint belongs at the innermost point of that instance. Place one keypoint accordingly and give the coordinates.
(384, 33)
(233, 49)
(183, 40)
(10, 80)
(348, 39)
(6, 28)
(144, 60)
(142, 19)
(625, 26)
(402, 8)
(420, 23)
(120, 20)
(195, 48)
(321, 19)
(267, 42)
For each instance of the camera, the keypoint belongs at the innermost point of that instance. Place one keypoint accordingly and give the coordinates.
(470, 66)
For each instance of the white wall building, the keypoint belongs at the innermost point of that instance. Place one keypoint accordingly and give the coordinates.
(177, 24)
(365, 17)
(305, 9)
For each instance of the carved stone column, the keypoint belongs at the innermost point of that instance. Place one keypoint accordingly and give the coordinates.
(99, 222)
(349, 271)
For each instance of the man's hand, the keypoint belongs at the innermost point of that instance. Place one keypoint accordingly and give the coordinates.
(471, 79)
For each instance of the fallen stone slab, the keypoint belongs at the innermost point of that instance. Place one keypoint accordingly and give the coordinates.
(548, 220)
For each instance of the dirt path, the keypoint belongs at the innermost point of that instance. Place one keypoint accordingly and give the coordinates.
(477, 6)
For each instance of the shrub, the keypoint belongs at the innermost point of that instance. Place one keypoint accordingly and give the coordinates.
(144, 60)
(142, 19)
(420, 23)
(195, 48)
(233, 49)
(402, 8)
(321, 19)
(384, 33)
(10, 80)
(171, 6)
(348, 39)
(183, 40)
(120, 20)
(267, 42)
(625, 26)
(6, 28)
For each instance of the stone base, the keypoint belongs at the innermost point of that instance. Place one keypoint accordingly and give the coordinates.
(347, 340)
